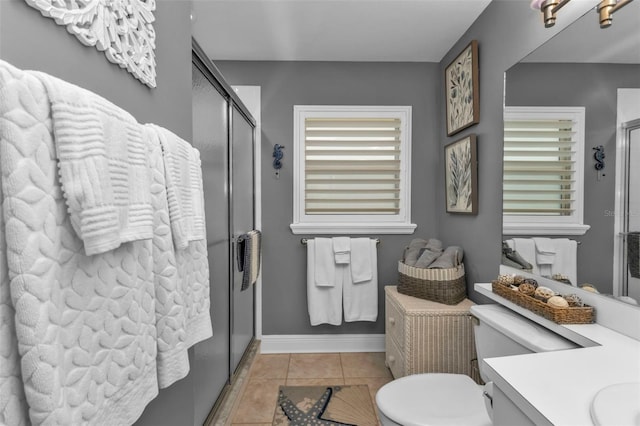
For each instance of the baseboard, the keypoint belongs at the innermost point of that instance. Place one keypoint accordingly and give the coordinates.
(321, 343)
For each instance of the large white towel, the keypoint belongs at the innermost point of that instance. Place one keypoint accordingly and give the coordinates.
(103, 166)
(566, 262)
(324, 262)
(361, 300)
(184, 187)
(527, 250)
(170, 303)
(85, 325)
(323, 303)
(13, 405)
(342, 250)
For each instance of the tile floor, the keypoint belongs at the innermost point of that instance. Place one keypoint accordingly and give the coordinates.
(269, 371)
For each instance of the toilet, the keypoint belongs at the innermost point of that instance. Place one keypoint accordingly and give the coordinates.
(455, 399)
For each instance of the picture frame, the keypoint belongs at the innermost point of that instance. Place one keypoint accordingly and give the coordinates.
(461, 176)
(462, 88)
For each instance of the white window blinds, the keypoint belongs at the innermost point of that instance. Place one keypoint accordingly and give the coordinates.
(539, 167)
(543, 182)
(352, 166)
(352, 169)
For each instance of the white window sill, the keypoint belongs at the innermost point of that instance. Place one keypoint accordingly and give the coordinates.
(353, 228)
(544, 229)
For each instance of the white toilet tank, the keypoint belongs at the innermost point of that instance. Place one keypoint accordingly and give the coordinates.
(501, 332)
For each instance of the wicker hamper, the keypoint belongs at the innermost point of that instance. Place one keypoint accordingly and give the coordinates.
(422, 336)
(446, 286)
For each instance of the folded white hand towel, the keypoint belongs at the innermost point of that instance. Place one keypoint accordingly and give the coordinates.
(324, 262)
(361, 263)
(323, 303)
(103, 166)
(342, 250)
(360, 300)
(183, 175)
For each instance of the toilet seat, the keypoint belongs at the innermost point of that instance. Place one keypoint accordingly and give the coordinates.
(433, 399)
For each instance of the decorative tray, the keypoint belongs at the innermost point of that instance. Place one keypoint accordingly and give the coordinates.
(569, 315)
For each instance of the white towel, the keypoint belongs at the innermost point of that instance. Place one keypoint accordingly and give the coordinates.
(85, 325)
(103, 166)
(341, 250)
(170, 303)
(527, 249)
(566, 262)
(361, 300)
(324, 262)
(323, 303)
(361, 269)
(183, 177)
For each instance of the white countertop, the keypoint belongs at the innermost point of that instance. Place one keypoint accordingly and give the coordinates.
(558, 387)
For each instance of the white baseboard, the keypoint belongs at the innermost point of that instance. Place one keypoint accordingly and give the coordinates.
(321, 343)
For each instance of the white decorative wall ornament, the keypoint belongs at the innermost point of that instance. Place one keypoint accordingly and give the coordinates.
(122, 29)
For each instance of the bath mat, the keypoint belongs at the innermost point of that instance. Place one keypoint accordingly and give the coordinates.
(324, 405)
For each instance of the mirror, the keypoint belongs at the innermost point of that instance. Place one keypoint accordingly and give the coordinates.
(584, 66)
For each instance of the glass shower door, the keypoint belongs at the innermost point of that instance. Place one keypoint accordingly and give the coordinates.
(242, 323)
(210, 365)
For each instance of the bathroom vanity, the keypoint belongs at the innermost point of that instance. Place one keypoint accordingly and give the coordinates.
(557, 388)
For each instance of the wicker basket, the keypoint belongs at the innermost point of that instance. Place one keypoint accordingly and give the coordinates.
(446, 286)
(571, 315)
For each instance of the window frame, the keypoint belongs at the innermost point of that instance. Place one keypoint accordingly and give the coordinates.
(353, 223)
(552, 225)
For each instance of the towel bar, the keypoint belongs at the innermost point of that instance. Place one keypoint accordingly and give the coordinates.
(304, 240)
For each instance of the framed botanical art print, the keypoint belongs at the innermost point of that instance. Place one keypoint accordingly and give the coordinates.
(462, 90)
(461, 176)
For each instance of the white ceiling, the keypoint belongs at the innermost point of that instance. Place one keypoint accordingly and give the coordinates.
(332, 30)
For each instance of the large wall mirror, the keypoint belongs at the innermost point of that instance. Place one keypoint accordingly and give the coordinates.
(583, 84)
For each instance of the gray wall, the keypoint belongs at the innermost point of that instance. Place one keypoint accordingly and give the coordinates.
(30, 41)
(285, 84)
(593, 86)
(506, 32)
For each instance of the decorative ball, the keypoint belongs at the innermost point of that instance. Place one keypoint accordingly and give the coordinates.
(527, 288)
(518, 279)
(531, 281)
(557, 302)
(589, 287)
(505, 279)
(543, 293)
(574, 300)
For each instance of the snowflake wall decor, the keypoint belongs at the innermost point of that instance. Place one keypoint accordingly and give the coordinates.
(122, 29)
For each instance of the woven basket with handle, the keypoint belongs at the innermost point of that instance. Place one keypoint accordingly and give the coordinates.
(446, 286)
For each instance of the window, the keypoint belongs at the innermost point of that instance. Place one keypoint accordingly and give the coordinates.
(352, 170)
(543, 171)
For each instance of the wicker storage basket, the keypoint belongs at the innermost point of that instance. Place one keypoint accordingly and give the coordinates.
(571, 315)
(446, 286)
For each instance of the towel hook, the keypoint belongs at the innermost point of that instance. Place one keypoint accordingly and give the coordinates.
(277, 158)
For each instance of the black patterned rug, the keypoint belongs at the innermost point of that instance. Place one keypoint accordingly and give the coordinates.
(324, 405)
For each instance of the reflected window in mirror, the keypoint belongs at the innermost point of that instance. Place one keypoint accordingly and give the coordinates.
(543, 186)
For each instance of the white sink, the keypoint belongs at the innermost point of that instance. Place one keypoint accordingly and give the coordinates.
(617, 405)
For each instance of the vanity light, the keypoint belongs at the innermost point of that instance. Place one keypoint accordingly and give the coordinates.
(606, 9)
(549, 8)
